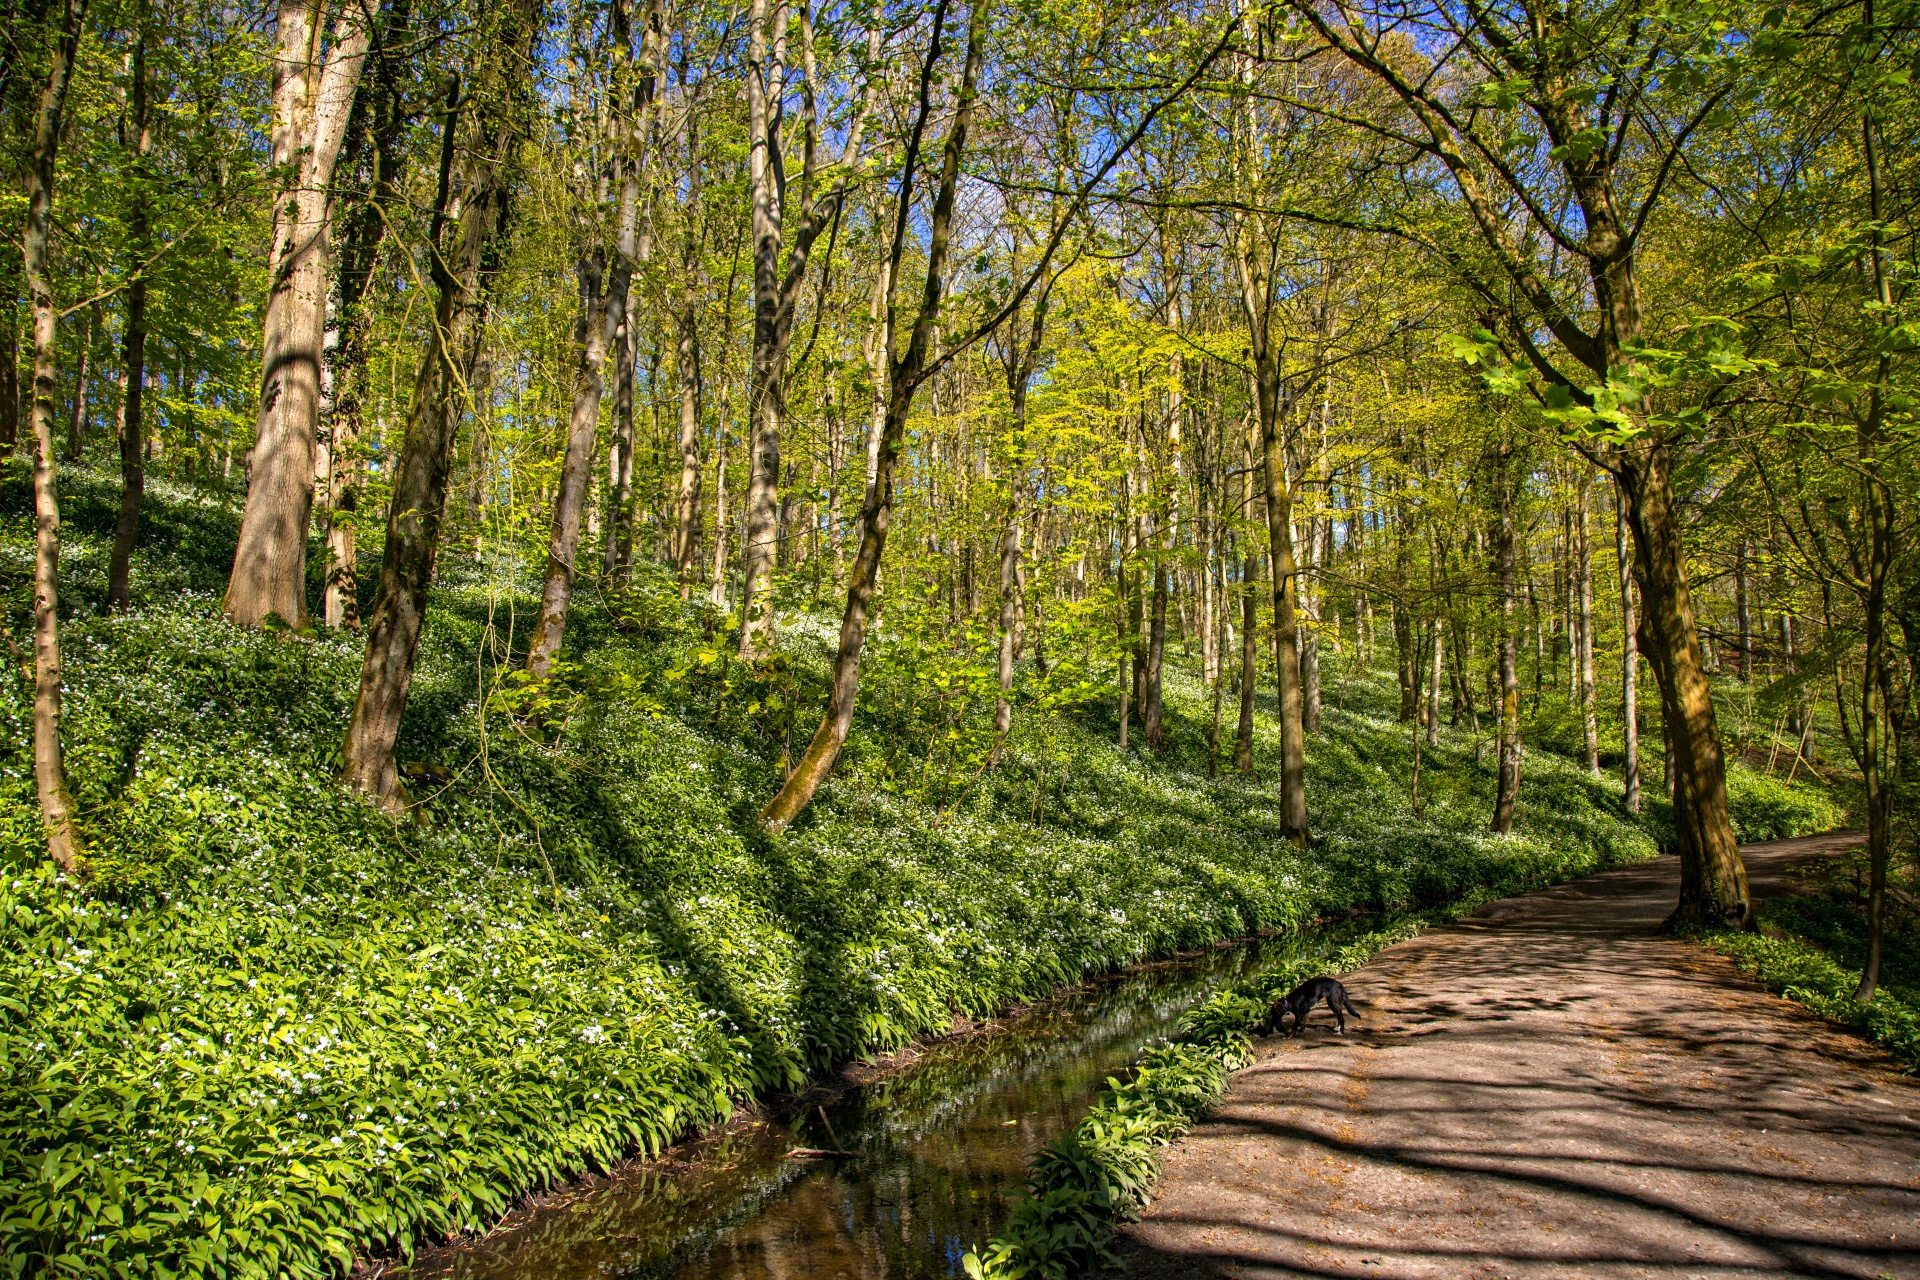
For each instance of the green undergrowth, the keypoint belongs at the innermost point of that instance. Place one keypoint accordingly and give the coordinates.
(1102, 1171)
(279, 1029)
(1813, 944)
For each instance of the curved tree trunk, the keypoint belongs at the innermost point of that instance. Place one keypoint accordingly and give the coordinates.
(904, 380)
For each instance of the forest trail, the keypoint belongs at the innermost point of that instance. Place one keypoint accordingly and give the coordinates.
(1554, 1089)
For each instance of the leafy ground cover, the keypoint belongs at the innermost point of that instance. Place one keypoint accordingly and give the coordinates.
(1813, 944)
(280, 1029)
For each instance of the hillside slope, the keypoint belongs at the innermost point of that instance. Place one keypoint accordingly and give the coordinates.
(282, 1029)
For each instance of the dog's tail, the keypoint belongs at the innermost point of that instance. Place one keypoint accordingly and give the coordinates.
(1348, 1005)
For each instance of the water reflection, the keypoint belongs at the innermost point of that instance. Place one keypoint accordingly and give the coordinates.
(939, 1144)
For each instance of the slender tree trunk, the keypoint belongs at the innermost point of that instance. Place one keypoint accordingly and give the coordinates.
(1629, 661)
(1435, 676)
(57, 813)
(1293, 762)
(1583, 541)
(1151, 727)
(463, 278)
(1012, 582)
(767, 24)
(687, 504)
(1743, 610)
(593, 335)
(77, 423)
(1129, 638)
(133, 340)
(906, 374)
(1507, 795)
(312, 104)
(376, 141)
(9, 353)
(1311, 605)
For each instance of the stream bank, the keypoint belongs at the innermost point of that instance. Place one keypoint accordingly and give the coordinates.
(937, 1144)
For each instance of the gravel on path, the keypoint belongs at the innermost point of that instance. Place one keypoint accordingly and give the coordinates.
(1553, 1088)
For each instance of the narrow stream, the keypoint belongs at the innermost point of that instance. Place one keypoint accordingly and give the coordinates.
(938, 1143)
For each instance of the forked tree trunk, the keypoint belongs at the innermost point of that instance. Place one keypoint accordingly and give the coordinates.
(1507, 793)
(463, 277)
(57, 811)
(877, 510)
(312, 104)
(133, 341)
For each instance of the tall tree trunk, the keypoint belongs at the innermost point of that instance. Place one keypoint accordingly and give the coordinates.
(1629, 661)
(594, 333)
(1583, 543)
(1293, 762)
(9, 352)
(766, 84)
(1249, 663)
(374, 139)
(1311, 605)
(1129, 636)
(1743, 608)
(1012, 596)
(687, 500)
(1507, 794)
(635, 249)
(463, 279)
(1150, 720)
(312, 104)
(904, 380)
(1713, 880)
(1878, 712)
(133, 339)
(49, 765)
(77, 422)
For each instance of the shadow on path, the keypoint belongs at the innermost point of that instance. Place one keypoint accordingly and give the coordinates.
(1554, 1089)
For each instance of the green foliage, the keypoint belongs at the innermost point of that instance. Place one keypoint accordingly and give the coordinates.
(1807, 975)
(281, 1029)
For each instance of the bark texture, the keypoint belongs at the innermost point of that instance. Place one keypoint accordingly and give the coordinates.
(57, 813)
(313, 99)
(462, 274)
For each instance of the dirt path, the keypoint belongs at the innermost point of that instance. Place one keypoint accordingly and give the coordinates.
(1554, 1090)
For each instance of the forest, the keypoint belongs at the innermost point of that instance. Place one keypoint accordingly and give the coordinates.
(571, 565)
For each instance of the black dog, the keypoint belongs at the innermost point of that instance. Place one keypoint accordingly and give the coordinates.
(1300, 1001)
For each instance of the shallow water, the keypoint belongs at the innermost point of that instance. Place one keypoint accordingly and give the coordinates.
(939, 1144)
